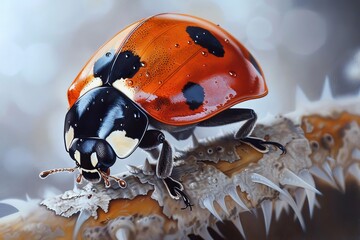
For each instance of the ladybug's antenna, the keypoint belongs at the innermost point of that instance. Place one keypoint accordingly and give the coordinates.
(46, 173)
(106, 176)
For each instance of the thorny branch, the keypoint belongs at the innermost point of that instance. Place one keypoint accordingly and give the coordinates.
(223, 178)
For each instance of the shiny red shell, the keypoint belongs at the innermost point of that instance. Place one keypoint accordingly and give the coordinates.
(172, 60)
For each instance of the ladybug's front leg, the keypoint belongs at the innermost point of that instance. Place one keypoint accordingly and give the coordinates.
(241, 114)
(151, 140)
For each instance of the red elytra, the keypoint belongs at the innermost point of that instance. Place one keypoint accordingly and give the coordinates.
(171, 59)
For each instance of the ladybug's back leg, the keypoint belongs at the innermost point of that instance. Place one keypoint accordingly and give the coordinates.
(234, 115)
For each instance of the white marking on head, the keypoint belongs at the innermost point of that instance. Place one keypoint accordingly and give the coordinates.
(69, 137)
(77, 157)
(122, 85)
(122, 144)
(95, 82)
(93, 159)
(108, 121)
(90, 170)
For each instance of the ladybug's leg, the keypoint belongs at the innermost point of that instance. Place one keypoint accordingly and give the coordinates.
(176, 191)
(242, 114)
(151, 140)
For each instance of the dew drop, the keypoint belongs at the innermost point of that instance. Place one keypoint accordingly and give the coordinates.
(134, 67)
(160, 82)
(102, 100)
(136, 115)
(100, 119)
(143, 64)
(231, 95)
(204, 65)
(232, 73)
(188, 75)
(75, 125)
(147, 74)
(204, 53)
(87, 109)
(126, 55)
(108, 54)
(197, 36)
(177, 45)
(130, 82)
(189, 42)
(227, 40)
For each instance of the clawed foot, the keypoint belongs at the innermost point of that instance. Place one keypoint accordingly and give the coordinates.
(260, 144)
(176, 191)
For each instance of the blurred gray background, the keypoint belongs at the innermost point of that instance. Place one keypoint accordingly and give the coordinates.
(44, 44)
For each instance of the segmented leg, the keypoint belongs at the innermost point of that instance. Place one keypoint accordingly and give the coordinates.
(237, 115)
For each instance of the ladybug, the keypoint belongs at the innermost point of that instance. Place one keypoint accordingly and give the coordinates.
(168, 72)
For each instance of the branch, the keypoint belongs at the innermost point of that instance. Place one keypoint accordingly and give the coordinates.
(320, 142)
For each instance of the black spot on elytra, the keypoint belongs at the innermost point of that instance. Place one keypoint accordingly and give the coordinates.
(194, 94)
(111, 67)
(103, 65)
(205, 39)
(254, 63)
(126, 65)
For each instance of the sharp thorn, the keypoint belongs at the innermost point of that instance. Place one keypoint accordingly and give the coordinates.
(83, 216)
(354, 170)
(267, 208)
(239, 226)
(204, 233)
(284, 195)
(222, 204)
(300, 196)
(147, 170)
(234, 195)
(195, 141)
(315, 170)
(279, 207)
(208, 203)
(326, 91)
(257, 178)
(305, 174)
(327, 170)
(290, 178)
(338, 173)
(132, 169)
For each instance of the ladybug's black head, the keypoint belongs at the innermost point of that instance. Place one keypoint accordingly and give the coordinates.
(92, 156)
(101, 126)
